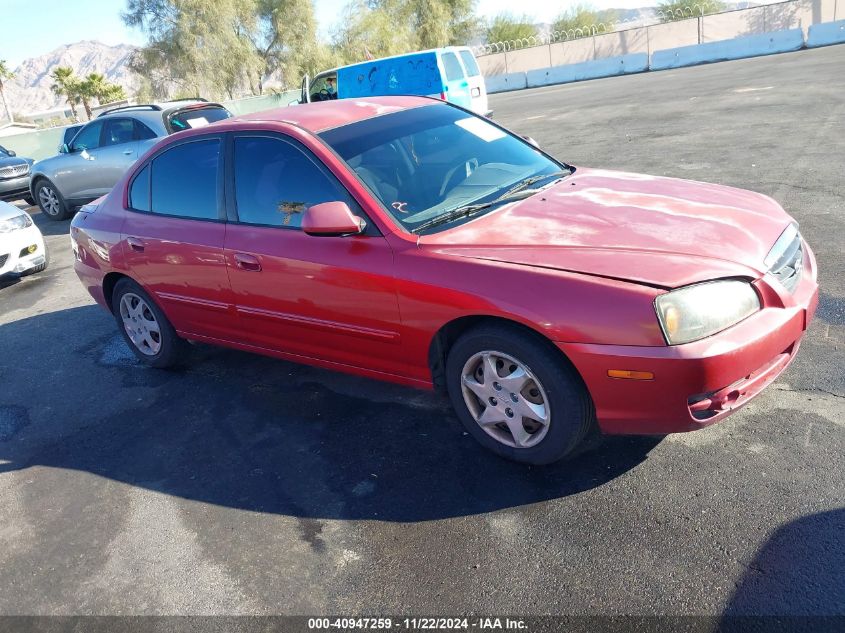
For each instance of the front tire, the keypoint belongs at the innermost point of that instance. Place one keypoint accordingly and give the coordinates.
(50, 201)
(145, 328)
(517, 396)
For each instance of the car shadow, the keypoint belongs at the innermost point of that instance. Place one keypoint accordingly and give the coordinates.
(249, 432)
(796, 582)
(46, 225)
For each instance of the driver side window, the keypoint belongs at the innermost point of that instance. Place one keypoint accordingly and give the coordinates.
(88, 137)
(275, 182)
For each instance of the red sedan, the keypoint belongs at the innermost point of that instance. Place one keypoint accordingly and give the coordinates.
(408, 240)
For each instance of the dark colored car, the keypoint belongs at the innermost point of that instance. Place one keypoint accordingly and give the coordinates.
(14, 176)
(406, 239)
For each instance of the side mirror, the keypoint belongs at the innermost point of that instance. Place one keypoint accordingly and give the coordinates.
(332, 218)
(11, 152)
(531, 141)
(64, 149)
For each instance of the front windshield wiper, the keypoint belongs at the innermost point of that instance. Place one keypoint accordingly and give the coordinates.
(470, 209)
(514, 193)
(527, 182)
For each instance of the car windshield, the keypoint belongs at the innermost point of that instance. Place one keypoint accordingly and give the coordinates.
(196, 117)
(429, 164)
(3, 151)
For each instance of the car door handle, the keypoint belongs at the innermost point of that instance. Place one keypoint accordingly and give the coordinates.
(127, 152)
(135, 244)
(247, 262)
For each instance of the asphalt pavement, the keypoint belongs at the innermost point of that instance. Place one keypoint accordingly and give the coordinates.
(240, 484)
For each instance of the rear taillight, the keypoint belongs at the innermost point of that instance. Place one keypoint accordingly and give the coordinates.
(443, 96)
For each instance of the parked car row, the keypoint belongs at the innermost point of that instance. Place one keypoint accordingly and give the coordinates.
(100, 151)
(91, 159)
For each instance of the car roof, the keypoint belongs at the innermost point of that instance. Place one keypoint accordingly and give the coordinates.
(324, 115)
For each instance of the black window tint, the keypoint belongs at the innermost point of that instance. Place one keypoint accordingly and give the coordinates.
(452, 67)
(184, 180)
(139, 194)
(470, 64)
(70, 132)
(118, 131)
(196, 117)
(142, 132)
(88, 137)
(276, 181)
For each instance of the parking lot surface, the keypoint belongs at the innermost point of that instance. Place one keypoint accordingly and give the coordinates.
(240, 484)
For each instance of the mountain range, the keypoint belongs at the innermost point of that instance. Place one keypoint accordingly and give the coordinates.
(30, 92)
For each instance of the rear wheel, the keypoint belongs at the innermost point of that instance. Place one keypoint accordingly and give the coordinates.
(145, 327)
(50, 201)
(517, 396)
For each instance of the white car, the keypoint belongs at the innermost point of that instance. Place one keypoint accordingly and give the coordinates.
(22, 248)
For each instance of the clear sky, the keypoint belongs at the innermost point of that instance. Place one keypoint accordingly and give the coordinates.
(29, 28)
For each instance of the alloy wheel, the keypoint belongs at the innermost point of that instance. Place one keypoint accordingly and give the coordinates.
(506, 399)
(141, 325)
(49, 200)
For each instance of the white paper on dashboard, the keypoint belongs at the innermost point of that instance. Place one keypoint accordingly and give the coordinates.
(200, 121)
(481, 129)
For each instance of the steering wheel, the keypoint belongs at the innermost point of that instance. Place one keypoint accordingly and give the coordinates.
(469, 166)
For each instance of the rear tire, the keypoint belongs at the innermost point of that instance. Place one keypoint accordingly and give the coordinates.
(517, 396)
(145, 328)
(50, 201)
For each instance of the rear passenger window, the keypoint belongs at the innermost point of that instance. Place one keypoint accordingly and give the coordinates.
(470, 64)
(118, 131)
(184, 180)
(452, 67)
(142, 132)
(139, 194)
(275, 182)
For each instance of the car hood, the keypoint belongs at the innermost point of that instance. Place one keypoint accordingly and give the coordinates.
(663, 232)
(8, 161)
(8, 211)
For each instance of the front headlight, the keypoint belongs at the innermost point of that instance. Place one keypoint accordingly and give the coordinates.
(13, 224)
(695, 312)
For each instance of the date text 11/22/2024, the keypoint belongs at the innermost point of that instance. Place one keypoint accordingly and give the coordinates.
(417, 624)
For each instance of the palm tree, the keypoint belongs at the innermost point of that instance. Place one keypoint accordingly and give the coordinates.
(89, 88)
(67, 85)
(5, 75)
(102, 90)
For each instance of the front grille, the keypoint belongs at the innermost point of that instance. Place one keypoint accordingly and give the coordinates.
(786, 258)
(13, 171)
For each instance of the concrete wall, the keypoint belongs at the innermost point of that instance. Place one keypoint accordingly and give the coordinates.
(573, 51)
(527, 59)
(672, 34)
(495, 64)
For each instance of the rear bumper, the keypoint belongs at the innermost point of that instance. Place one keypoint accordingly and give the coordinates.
(700, 383)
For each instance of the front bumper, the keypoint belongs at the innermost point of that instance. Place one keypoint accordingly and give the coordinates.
(703, 382)
(16, 250)
(14, 188)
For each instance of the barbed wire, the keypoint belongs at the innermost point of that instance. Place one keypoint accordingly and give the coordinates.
(552, 37)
